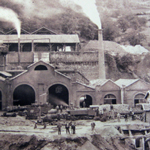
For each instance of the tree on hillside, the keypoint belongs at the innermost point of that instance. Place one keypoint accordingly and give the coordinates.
(110, 30)
(135, 38)
(123, 24)
(131, 21)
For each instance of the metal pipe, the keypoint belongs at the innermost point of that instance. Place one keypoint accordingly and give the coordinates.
(18, 51)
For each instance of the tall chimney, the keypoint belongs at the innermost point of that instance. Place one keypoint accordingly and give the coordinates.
(101, 59)
(18, 51)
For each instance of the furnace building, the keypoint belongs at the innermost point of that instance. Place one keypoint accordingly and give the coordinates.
(43, 67)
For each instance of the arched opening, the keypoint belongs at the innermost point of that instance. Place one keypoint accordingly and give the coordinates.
(85, 101)
(110, 99)
(0, 100)
(13, 47)
(138, 142)
(23, 95)
(139, 98)
(40, 67)
(44, 47)
(147, 144)
(26, 47)
(58, 95)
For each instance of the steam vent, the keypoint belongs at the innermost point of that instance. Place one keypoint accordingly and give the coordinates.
(44, 67)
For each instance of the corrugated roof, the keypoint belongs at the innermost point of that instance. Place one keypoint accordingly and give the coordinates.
(125, 82)
(5, 73)
(27, 38)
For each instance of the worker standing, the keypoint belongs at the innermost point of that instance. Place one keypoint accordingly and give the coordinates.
(126, 117)
(118, 117)
(73, 127)
(35, 125)
(59, 128)
(147, 96)
(93, 126)
(84, 104)
(44, 127)
(67, 128)
(61, 108)
(57, 108)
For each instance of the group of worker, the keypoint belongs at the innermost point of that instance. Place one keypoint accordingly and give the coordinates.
(67, 127)
(59, 108)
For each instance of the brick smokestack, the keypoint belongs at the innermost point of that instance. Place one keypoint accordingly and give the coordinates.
(101, 59)
(18, 51)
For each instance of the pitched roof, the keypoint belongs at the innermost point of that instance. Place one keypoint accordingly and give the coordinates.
(2, 79)
(28, 38)
(1, 32)
(6, 74)
(39, 62)
(92, 45)
(43, 30)
(98, 82)
(70, 71)
(125, 82)
(88, 86)
(13, 31)
(35, 64)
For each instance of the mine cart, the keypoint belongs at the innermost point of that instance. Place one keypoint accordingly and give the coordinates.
(82, 113)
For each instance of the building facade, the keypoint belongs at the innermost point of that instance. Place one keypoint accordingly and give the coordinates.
(41, 68)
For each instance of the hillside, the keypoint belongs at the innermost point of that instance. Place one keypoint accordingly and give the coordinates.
(121, 63)
(124, 22)
(68, 17)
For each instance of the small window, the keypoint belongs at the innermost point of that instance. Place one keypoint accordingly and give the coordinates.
(41, 67)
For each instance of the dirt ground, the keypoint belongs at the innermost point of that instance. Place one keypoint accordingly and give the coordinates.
(21, 134)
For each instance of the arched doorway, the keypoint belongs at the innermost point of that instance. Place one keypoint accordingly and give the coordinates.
(58, 95)
(0, 100)
(85, 101)
(23, 95)
(139, 98)
(110, 99)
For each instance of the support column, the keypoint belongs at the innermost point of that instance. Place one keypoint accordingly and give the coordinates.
(143, 143)
(122, 94)
(32, 46)
(18, 51)
(76, 47)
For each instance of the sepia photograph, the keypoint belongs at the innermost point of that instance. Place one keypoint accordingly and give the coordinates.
(74, 74)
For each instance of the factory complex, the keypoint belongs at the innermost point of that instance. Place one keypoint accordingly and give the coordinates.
(44, 67)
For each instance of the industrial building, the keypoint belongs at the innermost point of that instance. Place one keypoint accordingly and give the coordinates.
(42, 67)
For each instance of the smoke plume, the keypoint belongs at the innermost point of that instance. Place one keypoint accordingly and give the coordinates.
(46, 8)
(8, 15)
(88, 7)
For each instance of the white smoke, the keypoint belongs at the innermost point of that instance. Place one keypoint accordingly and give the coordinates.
(89, 8)
(8, 15)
